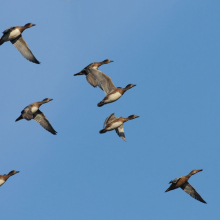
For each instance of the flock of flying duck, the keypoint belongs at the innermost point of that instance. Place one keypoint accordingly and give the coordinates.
(95, 78)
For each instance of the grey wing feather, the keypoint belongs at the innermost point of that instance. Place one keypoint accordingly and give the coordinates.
(104, 81)
(109, 119)
(41, 118)
(23, 48)
(120, 132)
(27, 114)
(91, 80)
(192, 192)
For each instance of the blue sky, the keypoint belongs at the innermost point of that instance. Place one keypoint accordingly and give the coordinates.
(170, 50)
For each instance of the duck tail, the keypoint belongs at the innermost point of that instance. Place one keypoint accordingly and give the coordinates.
(83, 72)
(1, 41)
(102, 131)
(19, 118)
(100, 104)
(167, 190)
(77, 74)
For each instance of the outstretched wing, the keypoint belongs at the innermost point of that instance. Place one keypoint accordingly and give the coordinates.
(23, 48)
(104, 81)
(120, 132)
(192, 192)
(41, 118)
(91, 80)
(109, 119)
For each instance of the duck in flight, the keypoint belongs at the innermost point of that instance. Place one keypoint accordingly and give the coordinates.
(13, 34)
(182, 182)
(116, 123)
(32, 112)
(3, 178)
(97, 78)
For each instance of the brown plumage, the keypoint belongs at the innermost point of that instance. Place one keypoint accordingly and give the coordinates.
(3, 178)
(112, 122)
(112, 97)
(32, 112)
(182, 182)
(13, 34)
(97, 78)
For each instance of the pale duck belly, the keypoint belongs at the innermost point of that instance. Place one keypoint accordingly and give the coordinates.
(114, 126)
(15, 33)
(1, 182)
(10, 36)
(34, 109)
(113, 97)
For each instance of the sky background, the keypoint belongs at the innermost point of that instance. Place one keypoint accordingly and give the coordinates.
(170, 50)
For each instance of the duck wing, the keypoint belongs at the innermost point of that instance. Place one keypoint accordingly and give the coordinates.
(192, 192)
(27, 114)
(23, 48)
(8, 30)
(109, 119)
(104, 82)
(120, 132)
(91, 80)
(39, 117)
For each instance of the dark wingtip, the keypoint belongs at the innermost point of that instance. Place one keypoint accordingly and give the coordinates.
(35, 61)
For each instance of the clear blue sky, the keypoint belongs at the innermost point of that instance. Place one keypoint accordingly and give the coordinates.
(170, 49)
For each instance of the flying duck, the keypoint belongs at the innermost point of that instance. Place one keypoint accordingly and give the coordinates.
(32, 112)
(3, 178)
(97, 78)
(116, 123)
(182, 182)
(13, 34)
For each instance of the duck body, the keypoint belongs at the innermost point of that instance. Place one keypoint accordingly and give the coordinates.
(32, 112)
(28, 112)
(4, 178)
(97, 78)
(115, 95)
(113, 125)
(182, 182)
(116, 123)
(13, 34)
(10, 34)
